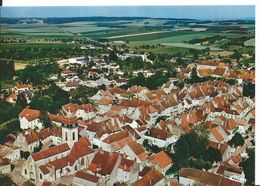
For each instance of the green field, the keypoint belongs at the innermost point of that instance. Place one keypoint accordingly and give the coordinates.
(135, 32)
(170, 50)
(187, 45)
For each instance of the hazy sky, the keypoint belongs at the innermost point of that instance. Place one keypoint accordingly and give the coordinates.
(195, 12)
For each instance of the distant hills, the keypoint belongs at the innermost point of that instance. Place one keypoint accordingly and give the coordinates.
(62, 20)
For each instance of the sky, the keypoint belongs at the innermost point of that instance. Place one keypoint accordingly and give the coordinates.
(194, 12)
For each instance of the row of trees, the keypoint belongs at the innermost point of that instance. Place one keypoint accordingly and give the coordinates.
(38, 74)
(50, 99)
(6, 69)
(152, 82)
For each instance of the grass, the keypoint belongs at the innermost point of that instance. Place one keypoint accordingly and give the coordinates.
(182, 36)
(191, 46)
(36, 45)
(170, 50)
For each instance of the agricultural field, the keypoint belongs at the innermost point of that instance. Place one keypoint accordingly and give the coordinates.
(55, 34)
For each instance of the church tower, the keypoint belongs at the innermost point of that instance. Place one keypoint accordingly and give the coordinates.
(69, 130)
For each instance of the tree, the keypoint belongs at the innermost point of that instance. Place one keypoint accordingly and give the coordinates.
(194, 74)
(21, 101)
(249, 167)
(38, 148)
(113, 56)
(212, 155)
(237, 55)
(249, 89)
(237, 140)
(44, 118)
(82, 94)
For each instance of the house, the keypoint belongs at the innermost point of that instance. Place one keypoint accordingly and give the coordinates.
(104, 105)
(134, 151)
(86, 111)
(20, 88)
(30, 119)
(219, 134)
(84, 178)
(231, 171)
(68, 74)
(71, 85)
(159, 137)
(10, 152)
(151, 178)
(190, 176)
(5, 166)
(28, 140)
(78, 61)
(115, 141)
(12, 98)
(161, 161)
(127, 171)
(105, 165)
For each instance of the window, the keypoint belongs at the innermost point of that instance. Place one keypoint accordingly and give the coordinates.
(66, 136)
(73, 136)
(82, 161)
(75, 167)
(25, 171)
(41, 176)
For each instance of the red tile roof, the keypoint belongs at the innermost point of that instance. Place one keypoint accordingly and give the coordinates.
(79, 149)
(23, 86)
(150, 179)
(126, 164)
(30, 114)
(44, 169)
(116, 137)
(103, 162)
(216, 134)
(207, 178)
(32, 137)
(105, 101)
(159, 133)
(138, 150)
(50, 152)
(161, 158)
(87, 176)
(71, 107)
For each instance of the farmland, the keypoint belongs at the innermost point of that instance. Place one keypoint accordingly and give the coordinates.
(58, 33)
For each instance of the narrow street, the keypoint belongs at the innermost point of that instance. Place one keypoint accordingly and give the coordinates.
(16, 173)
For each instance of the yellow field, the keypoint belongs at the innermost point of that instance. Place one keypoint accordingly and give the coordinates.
(19, 66)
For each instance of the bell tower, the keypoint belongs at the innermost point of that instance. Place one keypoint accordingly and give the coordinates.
(69, 130)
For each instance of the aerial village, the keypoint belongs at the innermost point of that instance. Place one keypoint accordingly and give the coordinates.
(173, 135)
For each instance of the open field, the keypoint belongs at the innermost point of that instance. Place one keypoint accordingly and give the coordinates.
(55, 34)
(170, 50)
(132, 35)
(250, 42)
(19, 66)
(186, 45)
